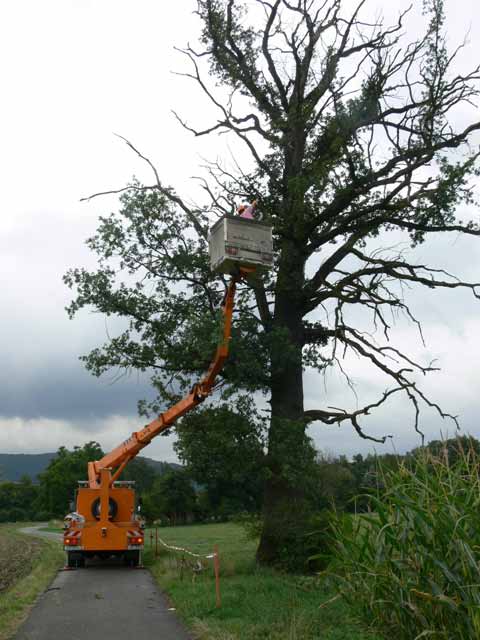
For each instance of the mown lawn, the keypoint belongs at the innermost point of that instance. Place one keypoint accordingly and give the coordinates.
(257, 604)
(27, 566)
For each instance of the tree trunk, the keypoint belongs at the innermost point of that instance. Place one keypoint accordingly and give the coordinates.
(287, 441)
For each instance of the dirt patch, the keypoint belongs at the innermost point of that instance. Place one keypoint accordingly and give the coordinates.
(17, 554)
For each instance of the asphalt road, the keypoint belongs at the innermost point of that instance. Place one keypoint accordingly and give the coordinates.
(102, 601)
(35, 531)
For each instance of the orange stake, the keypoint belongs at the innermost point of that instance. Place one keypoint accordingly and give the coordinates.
(216, 566)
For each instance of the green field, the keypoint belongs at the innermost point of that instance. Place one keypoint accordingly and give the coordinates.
(256, 604)
(27, 566)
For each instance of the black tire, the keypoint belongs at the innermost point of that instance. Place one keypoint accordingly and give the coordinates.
(131, 558)
(75, 559)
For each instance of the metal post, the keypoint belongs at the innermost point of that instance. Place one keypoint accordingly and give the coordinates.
(156, 541)
(182, 563)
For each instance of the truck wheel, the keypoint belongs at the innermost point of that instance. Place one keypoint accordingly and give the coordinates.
(75, 559)
(132, 558)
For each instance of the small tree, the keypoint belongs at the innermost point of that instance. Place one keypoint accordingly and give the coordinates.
(19, 496)
(223, 453)
(352, 132)
(172, 497)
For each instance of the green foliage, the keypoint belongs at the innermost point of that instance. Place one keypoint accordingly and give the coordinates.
(172, 498)
(17, 500)
(59, 480)
(17, 515)
(178, 328)
(307, 543)
(142, 473)
(41, 516)
(336, 484)
(251, 524)
(412, 567)
(453, 450)
(223, 451)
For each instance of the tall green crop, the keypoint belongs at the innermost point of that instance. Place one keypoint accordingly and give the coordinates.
(411, 566)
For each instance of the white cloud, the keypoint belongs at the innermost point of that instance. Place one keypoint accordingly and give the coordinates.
(42, 435)
(454, 388)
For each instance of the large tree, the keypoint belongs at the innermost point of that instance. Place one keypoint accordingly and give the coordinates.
(354, 135)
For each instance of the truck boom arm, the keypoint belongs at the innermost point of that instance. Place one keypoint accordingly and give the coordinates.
(119, 457)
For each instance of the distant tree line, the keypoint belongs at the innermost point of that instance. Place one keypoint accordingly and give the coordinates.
(18, 501)
(221, 477)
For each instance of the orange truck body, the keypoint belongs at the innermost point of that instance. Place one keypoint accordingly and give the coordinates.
(120, 535)
(105, 522)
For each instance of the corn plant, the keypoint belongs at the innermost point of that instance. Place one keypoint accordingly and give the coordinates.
(411, 566)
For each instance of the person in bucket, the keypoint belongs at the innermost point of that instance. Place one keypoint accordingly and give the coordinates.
(246, 210)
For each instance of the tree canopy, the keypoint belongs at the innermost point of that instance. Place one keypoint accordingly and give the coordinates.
(353, 134)
(171, 499)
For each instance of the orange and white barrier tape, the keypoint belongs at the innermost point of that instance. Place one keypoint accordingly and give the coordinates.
(190, 553)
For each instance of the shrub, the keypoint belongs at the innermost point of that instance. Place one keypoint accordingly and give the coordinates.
(412, 567)
(17, 515)
(307, 541)
(315, 544)
(41, 516)
(251, 523)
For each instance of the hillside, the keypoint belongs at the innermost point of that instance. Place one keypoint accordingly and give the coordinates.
(15, 465)
(158, 466)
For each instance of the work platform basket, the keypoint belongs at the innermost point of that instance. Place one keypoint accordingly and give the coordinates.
(239, 242)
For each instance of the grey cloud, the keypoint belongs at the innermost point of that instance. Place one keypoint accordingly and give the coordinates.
(53, 392)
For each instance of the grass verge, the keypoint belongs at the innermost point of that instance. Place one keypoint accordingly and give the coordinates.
(256, 603)
(28, 565)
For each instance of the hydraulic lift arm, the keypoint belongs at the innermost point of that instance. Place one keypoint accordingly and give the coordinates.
(119, 457)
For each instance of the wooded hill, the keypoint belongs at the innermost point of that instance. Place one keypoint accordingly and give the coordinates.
(15, 465)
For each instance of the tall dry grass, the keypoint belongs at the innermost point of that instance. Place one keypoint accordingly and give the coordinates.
(411, 567)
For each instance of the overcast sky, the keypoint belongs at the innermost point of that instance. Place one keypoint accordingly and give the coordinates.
(73, 73)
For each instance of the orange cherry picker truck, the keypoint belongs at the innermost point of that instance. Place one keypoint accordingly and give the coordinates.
(105, 522)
